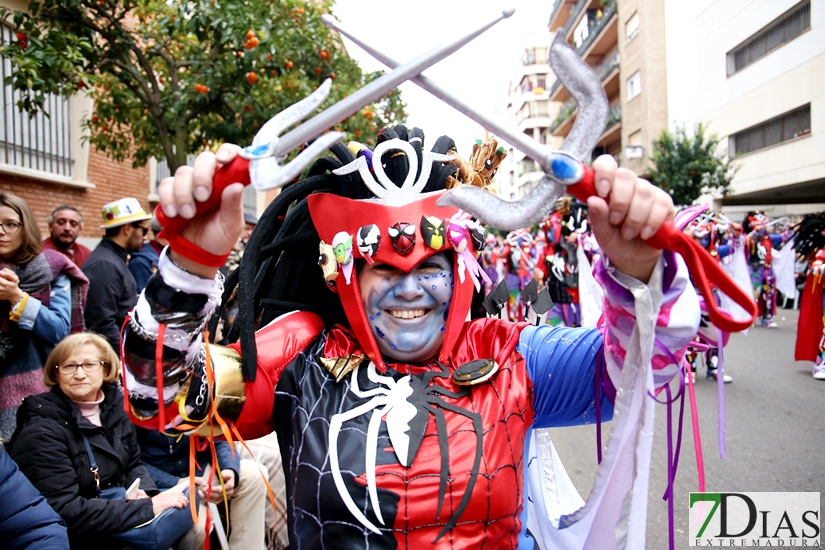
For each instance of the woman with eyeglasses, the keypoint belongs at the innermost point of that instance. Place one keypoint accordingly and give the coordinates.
(42, 295)
(50, 450)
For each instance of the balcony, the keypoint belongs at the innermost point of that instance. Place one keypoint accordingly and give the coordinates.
(564, 121)
(602, 34)
(608, 72)
(560, 14)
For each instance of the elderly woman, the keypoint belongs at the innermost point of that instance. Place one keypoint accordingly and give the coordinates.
(49, 446)
(41, 300)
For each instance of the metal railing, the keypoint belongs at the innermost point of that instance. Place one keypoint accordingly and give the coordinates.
(574, 14)
(596, 28)
(608, 65)
(565, 113)
(39, 142)
(614, 116)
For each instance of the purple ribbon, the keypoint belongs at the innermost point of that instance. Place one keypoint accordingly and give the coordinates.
(672, 458)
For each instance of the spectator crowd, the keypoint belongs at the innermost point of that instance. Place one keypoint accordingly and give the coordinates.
(82, 474)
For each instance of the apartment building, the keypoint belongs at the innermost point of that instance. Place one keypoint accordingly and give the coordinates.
(754, 71)
(623, 41)
(529, 108)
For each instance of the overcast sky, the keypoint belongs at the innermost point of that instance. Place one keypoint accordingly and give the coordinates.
(479, 73)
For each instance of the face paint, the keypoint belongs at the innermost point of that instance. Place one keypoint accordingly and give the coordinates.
(405, 310)
(342, 247)
(433, 232)
(369, 238)
(402, 236)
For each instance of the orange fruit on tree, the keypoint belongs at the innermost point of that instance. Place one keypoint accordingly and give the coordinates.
(324, 54)
(332, 76)
(317, 70)
(252, 77)
(250, 34)
(289, 64)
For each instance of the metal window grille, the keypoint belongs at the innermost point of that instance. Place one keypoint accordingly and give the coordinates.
(776, 130)
(39, 142)
(781, 30)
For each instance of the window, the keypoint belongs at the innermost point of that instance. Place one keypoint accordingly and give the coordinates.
(40, 142)
(582, 31)
(785, 127)
(634, 85)
(631, 28)
(783, 29)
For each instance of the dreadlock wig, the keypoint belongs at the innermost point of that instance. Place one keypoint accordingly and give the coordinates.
(809, 235)
(333, 203)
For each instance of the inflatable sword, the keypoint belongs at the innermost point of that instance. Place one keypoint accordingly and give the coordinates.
(564, 172)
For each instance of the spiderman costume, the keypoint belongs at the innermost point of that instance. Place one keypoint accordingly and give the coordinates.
(383, 447)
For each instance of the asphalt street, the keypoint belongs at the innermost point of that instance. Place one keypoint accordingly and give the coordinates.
(775, 434)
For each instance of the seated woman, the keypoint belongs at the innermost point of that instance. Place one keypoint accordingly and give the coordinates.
(50, 450)
(41, 300)
(402, 424)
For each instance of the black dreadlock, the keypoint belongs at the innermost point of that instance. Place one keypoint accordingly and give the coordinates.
(279, 270)
(809, 235)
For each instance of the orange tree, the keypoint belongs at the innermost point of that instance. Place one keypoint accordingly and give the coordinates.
(171, 78)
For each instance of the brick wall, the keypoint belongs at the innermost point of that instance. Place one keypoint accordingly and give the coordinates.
(113, 181)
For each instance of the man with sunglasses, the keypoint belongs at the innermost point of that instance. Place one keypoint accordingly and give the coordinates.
(112, 287)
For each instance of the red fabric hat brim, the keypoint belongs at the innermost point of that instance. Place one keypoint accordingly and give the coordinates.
(332, 214)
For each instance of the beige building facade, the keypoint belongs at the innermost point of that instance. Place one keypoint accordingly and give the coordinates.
(760, 67)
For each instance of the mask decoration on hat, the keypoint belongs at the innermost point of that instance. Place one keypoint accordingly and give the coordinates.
(460, 236)
(402, 236)
(368, 238)
(342, 247)
(326, 261)
(432, 230)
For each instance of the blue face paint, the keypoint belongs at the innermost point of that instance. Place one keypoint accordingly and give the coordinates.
(413, 328)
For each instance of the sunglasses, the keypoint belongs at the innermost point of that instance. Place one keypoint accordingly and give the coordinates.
(142, 228)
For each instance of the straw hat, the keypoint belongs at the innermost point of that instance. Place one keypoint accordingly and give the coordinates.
(123, 211)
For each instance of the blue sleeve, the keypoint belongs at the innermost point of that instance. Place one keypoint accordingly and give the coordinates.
(563, 363)
(225, 459)
(51, 323)
(776, 240)
(141, 267)
(26, 520)
(162, 479)
(724, 250)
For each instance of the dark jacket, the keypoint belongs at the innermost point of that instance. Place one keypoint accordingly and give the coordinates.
(26, 519)
(112, 290)
(144, 263)
(167, 457)
(50, 451)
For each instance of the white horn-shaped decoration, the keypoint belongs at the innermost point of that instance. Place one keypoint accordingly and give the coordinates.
(381, 185)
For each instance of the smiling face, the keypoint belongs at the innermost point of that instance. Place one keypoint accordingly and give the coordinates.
(82, 385)
(407, 311)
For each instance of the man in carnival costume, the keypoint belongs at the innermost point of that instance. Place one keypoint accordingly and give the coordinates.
(400, 423)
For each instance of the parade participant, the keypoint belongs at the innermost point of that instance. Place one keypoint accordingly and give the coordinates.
(810, 336)
(706, 232)
(354, 359)
(759, 247)
(65, 223)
